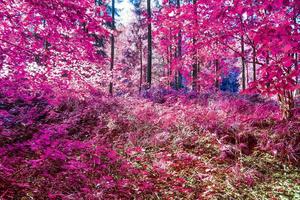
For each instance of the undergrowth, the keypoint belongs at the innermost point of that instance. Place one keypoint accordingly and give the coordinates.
(203, 146)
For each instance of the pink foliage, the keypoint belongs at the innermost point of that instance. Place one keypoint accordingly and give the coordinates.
(61, 137)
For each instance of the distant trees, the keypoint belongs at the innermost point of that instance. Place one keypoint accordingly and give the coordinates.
(230, 81)
(197, 42)
(263, 34)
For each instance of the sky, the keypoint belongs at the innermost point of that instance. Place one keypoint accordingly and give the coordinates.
(125, 9)
(126, 13)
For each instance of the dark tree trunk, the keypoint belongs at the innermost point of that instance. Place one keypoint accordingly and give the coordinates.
(149, 64)
(195, 73)
(243, 63)
(112, 53)
(178, 78)
(141, 63)
(195, 64)
(296, 66)
(170, 61)
(268, 62)
(217, 84)
(169, 65)
(247, 73)
(254, 63)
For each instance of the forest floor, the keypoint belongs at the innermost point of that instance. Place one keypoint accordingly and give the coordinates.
(204, 146)
(213, 147)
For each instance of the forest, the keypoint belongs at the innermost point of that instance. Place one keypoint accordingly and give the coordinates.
(149, 100)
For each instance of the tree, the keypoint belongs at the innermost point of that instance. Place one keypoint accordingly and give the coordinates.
(137, 37)
(243, 63)
(112, 54)
(36, 43)
(195, 64)
(250, 30)
(149, 55)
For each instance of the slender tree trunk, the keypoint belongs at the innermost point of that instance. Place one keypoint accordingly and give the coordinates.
(149, 64)
(254, 63)
(247, 73)
(195, 72)
(170, 61)
(199, 64)
(112, 53)
(217, 84)
(179, 75)
(243, 63)
(296, 66)
(169, 66)
(195, 67)
(141, 63)
(268, 62)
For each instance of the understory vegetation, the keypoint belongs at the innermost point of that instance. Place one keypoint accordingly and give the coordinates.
(165, 145)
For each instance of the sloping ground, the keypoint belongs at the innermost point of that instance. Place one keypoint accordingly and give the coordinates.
(215, 148)
(184, 147)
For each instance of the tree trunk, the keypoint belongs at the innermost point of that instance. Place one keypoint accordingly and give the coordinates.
(287, 104)
(195, 67)
(141, 63)
(247, 74)
(296, 68)
(169, 65)
(217, 84)
(195, 73)
(254, 63)
(178, 77)
(149, 64)
(199, 64)
(268, 62)
(243, 63)
(170, 61)
(112, 53)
